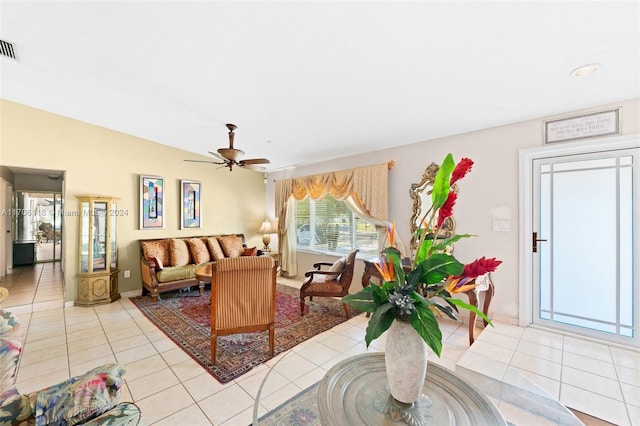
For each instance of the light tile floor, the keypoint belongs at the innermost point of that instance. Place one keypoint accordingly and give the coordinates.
(172, 389)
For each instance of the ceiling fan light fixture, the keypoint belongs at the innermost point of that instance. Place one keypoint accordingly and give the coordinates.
(231, 153)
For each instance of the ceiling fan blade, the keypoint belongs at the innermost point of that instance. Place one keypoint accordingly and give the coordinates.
(215, 154)
(253, 167)
(255, 161)
(203, 161)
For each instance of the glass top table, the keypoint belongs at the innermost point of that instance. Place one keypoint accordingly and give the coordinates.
(353, 391)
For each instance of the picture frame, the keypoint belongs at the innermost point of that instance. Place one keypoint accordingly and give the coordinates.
(596, 124)
(151, 202)
(191, 204)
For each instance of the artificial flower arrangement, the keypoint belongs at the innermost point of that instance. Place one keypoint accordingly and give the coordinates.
(417, 297)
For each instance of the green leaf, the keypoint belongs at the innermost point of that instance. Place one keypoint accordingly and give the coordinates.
(439, 266)
(441, 185)
(423, 321)
(362, 301)
(379, 322)
(469, 307)
(443, 244)
(380, 293)
(423, 251)
(446, 310)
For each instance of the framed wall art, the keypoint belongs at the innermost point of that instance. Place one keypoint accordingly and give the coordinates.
(190, 215)
(151, 202)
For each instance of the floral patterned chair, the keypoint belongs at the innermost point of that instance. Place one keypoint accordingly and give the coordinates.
(91, 398)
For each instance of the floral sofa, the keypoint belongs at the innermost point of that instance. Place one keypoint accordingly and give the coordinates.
(168, 264)
(90, 399)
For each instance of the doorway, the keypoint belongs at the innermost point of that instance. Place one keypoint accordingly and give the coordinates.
(580, 240)
(40, 221)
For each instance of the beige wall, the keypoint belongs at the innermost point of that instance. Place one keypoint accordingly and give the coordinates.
(99, 161)
(492, 183)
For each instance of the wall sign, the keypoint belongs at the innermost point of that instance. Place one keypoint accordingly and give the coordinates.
(583, 126)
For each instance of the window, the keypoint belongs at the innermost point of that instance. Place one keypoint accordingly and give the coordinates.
(329, 226)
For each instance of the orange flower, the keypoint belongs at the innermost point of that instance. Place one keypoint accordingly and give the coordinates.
(459, 284)
(386, 270)
(391, 232)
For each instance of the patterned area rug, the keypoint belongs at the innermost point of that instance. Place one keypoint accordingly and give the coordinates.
(301, 410)
(185, 318)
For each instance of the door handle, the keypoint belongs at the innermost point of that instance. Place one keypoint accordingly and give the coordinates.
(534, 248)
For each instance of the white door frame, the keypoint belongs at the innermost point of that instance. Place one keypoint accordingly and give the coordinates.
(526, 157)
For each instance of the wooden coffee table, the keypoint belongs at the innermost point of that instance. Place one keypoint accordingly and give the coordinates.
(204, 273)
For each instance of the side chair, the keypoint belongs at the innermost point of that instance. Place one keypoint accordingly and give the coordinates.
(243, 298)
(334, 282)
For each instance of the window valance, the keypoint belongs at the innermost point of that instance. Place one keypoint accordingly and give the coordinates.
(369, 185)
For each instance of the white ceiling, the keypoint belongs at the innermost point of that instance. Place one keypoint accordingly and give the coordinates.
(308, 81)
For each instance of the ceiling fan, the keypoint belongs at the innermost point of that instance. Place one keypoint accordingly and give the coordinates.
(230, 157)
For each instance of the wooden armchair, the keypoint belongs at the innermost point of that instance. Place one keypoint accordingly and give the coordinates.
(243, 298)
(334, 282)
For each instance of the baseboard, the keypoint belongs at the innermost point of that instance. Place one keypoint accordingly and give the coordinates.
(132, 293)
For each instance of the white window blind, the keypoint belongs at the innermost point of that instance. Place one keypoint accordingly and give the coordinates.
(329, 226)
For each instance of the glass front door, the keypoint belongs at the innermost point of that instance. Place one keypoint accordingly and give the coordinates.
(584, 216)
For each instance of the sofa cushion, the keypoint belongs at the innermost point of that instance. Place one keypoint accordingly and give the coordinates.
(15, 409)
(156, 249)
(231, 245)
(80, 398)
(125, 413)
(179, 252)
(215, 249)
(175, 273)
(10, 349)
(199, 251)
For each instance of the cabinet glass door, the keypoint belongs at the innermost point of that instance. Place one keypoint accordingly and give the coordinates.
(84, 237)
(99, 236)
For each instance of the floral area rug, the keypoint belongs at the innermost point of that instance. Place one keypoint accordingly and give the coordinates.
(185, 319)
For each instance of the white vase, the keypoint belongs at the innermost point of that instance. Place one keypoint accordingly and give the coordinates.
(405, 361)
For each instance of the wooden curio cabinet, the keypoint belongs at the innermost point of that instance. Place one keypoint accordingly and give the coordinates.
(97, 251)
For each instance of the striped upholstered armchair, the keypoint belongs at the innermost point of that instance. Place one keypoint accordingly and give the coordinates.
(243, 298)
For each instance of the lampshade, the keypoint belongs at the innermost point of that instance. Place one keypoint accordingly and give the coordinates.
(268, 227)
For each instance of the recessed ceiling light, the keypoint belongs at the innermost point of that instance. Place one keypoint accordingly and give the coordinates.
(585, 70)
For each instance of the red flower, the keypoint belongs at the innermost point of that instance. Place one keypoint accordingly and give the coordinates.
(462, 168)
(480, 267)
(447, 208)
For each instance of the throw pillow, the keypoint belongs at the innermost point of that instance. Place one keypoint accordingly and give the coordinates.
(199, 252)
(80, 398)
(231, 245)
(214, 248)
(179, 252)
(158, 249)
(250, 251)
(337, 266)
(158, 262)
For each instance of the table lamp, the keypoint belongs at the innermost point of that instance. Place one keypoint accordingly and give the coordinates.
(267, 228)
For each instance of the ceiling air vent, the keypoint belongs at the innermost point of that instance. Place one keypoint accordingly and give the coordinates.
(7, 49)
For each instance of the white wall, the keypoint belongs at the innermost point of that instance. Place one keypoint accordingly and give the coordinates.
(492, 183)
